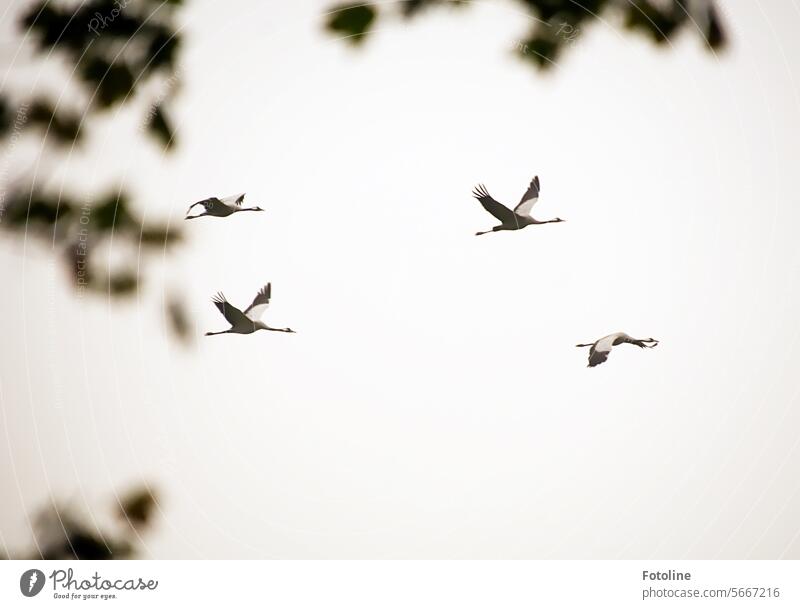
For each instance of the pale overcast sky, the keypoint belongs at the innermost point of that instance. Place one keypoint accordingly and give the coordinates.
(432, 403)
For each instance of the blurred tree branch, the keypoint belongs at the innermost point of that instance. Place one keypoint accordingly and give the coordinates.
(61, 534)
(556, 23)
(114, 52)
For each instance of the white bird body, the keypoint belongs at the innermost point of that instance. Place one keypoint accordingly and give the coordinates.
(220, 208)
(248, 321)
(601, 348)
(515, 219)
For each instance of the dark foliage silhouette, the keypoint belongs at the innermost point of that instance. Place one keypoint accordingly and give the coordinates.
(113, 55)
(61, 534)
(555, 23)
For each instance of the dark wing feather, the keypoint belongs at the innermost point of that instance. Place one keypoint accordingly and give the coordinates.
(260, 302)
(208, 204)
(192, 206)
(597, 357)
(531, 195)
(497, 209)
(234, 316)
(233, 200)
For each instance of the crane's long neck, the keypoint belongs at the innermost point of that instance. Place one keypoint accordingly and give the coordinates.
(215, 333)
(278, 329)
(250, 209)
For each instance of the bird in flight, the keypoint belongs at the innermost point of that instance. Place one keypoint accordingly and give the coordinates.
(221, 208)
(515, 219)
(248, 321)
(600, 349)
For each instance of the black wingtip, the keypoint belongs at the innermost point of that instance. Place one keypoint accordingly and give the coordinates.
(480, 191)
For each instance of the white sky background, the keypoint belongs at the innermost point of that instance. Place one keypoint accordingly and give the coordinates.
(432, 404)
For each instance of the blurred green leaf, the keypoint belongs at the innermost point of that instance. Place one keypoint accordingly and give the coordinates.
(137, 506)
(112, 213)
(61, 534)
(351, 21)
(658, 23)
(716, 33)
(178, 318)
(6, 116)
(160, 127)
(158, 236)
(162, 49)
(122, 283)
(62, 125)
(541, 50)
(36, 211)
(410, 8)
(114, 49)
(111, 82)
(659, 20)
